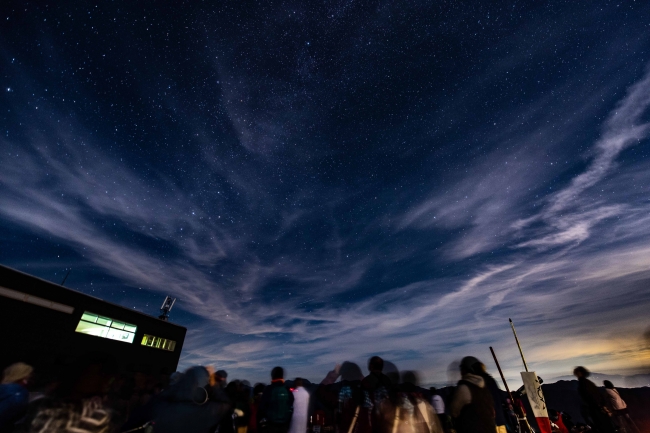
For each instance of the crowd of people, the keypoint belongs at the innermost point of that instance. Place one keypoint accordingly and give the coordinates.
(93, 397)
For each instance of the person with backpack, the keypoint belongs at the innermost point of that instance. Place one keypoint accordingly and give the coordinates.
(276, 405)
(472, 407)
(377, 414)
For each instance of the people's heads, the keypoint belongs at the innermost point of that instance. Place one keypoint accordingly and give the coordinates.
(350, 371)
(190, 385)
(608, 384)
(175, 377)
(392, 372)
(468, 365)
(18, 373)
(376, 364)
(410, 377)
(433, 390)
(277, 373)
(259, 389)
(581, 372)
(221, 377)
(480, 368)
(298, 382)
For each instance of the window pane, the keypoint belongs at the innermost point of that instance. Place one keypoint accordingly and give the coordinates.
(115, 334)
(88, 317)
(158, 343)
(105, 327)
(92, 329)
(104, 321)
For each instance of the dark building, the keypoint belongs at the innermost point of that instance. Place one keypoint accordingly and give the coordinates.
(44, 323)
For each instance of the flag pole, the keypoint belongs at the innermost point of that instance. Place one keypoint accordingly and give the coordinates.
(501, 373)
(512, 325)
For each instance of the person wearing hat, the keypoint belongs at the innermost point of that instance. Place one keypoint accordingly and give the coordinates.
(14, 396)
(472, 407)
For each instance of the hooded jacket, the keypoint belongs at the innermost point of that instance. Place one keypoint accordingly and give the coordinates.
(472, 406)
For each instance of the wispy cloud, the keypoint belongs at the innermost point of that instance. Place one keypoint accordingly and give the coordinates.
(280, 255)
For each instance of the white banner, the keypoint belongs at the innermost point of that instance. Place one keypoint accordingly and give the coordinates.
(536, 399)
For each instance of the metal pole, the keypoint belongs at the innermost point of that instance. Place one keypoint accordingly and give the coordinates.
(518, 345)
(501, 373)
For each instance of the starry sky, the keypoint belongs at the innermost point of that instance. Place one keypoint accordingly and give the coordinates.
(324, 181)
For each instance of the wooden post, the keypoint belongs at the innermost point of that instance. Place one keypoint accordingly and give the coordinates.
(512, 325)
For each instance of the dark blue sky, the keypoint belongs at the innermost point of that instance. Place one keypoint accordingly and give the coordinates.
(325, 182)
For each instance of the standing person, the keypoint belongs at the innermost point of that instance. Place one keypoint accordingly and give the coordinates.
(340, 401)
(276, 405)
(186, 406)
(221, 378)
(436, 401)
(14, 396)
(300, 407)
(593, 401)
(619, 409)
(413, 413)
(498, 396)
(254, 405)
(472, 407)
(377, 412)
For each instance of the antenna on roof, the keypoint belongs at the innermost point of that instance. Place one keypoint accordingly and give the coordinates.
(66, 276)
(166, 308)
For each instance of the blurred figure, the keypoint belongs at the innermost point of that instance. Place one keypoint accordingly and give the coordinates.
(350, 372)
(340, 401)
(254, 405)
(77, 401)
(184, 407)
(472, 407)
(594, 403)
(619, 409)
(276, 405)
(239, 397)
(377, 412)
(498, 396)
(14, 396)
(300, 407)
(221, 378)
(436, 401)
(175, 378)
(413, 413)
(392, 372)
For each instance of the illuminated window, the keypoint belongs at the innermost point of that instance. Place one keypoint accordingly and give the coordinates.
(158, 343)
(99, 326)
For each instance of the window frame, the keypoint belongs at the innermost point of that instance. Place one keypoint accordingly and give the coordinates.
(112, 329)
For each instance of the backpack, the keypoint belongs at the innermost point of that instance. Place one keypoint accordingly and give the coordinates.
(280, 410)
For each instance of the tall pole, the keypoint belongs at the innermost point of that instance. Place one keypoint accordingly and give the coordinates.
(496, 361)
(66, 276)
(512, 325)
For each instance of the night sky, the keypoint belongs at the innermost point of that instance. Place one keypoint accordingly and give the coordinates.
(324, 181)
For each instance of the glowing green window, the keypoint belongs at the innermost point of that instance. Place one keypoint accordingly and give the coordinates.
(158, 343)
(105, 327)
